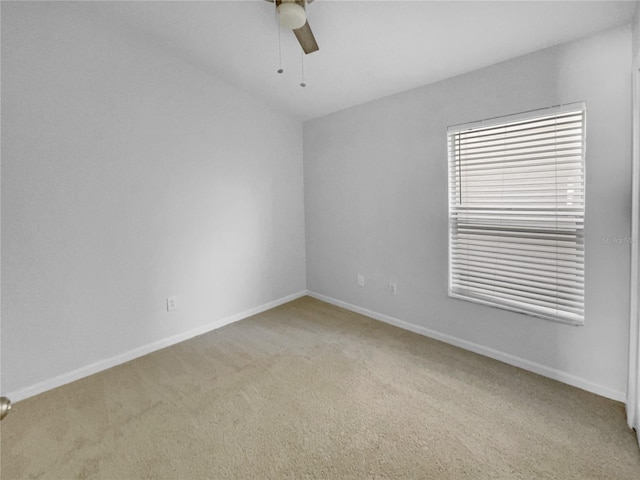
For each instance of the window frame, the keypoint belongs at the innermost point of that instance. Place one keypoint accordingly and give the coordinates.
(531, 115)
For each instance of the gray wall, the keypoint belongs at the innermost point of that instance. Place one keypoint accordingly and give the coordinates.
(376, 203)
(636, 31)
(635, 337)
(127, 177)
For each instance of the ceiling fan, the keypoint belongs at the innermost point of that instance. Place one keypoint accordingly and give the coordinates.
(292, 14)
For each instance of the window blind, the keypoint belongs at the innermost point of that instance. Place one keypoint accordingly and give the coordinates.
(516, 213)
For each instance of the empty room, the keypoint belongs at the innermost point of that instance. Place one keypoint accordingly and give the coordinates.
(287, 239)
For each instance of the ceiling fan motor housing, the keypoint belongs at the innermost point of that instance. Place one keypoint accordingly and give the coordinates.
(292, 14)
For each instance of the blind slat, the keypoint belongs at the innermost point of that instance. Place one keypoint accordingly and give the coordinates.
(548, 137)
(508, 155)
(524, 294)
(567, 279)
(540, 162)
(564, 290)
(541, 132)
(526, 304)
(519, 126)
(502, 261)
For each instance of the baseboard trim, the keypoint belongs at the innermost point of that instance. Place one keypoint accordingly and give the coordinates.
(636, 427)
(101, 365)
(525, 364)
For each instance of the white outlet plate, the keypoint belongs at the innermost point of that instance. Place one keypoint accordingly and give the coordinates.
(360, 280)
(172, 303)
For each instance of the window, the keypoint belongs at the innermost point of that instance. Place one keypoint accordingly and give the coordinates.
(516, 212)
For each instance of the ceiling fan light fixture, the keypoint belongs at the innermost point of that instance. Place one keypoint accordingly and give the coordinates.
(291, 15)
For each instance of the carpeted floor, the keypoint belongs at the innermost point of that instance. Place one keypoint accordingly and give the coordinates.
(308, 390)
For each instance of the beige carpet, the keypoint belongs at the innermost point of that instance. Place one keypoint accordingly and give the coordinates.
(308, 390)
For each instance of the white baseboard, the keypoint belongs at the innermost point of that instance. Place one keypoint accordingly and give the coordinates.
(636, 427)
(101, 365)
(482, 350)
(143, 350)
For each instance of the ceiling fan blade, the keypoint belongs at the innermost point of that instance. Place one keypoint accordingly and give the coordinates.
(306, 39)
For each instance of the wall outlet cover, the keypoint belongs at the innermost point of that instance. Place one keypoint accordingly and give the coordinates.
(172, 303)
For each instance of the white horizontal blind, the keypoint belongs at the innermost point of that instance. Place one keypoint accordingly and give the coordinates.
(516, 213)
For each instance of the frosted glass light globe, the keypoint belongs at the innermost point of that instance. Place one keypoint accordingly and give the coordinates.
(291, 15)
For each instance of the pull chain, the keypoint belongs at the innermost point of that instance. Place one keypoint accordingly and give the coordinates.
(280, 70)
(302, 84)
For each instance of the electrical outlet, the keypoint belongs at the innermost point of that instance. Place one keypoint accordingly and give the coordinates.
(172, 303)
(393, 289)
(360, 280)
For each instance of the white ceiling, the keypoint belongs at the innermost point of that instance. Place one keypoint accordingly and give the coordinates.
(368, 49)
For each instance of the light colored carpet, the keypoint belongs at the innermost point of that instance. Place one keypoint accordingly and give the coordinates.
(308, 390)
